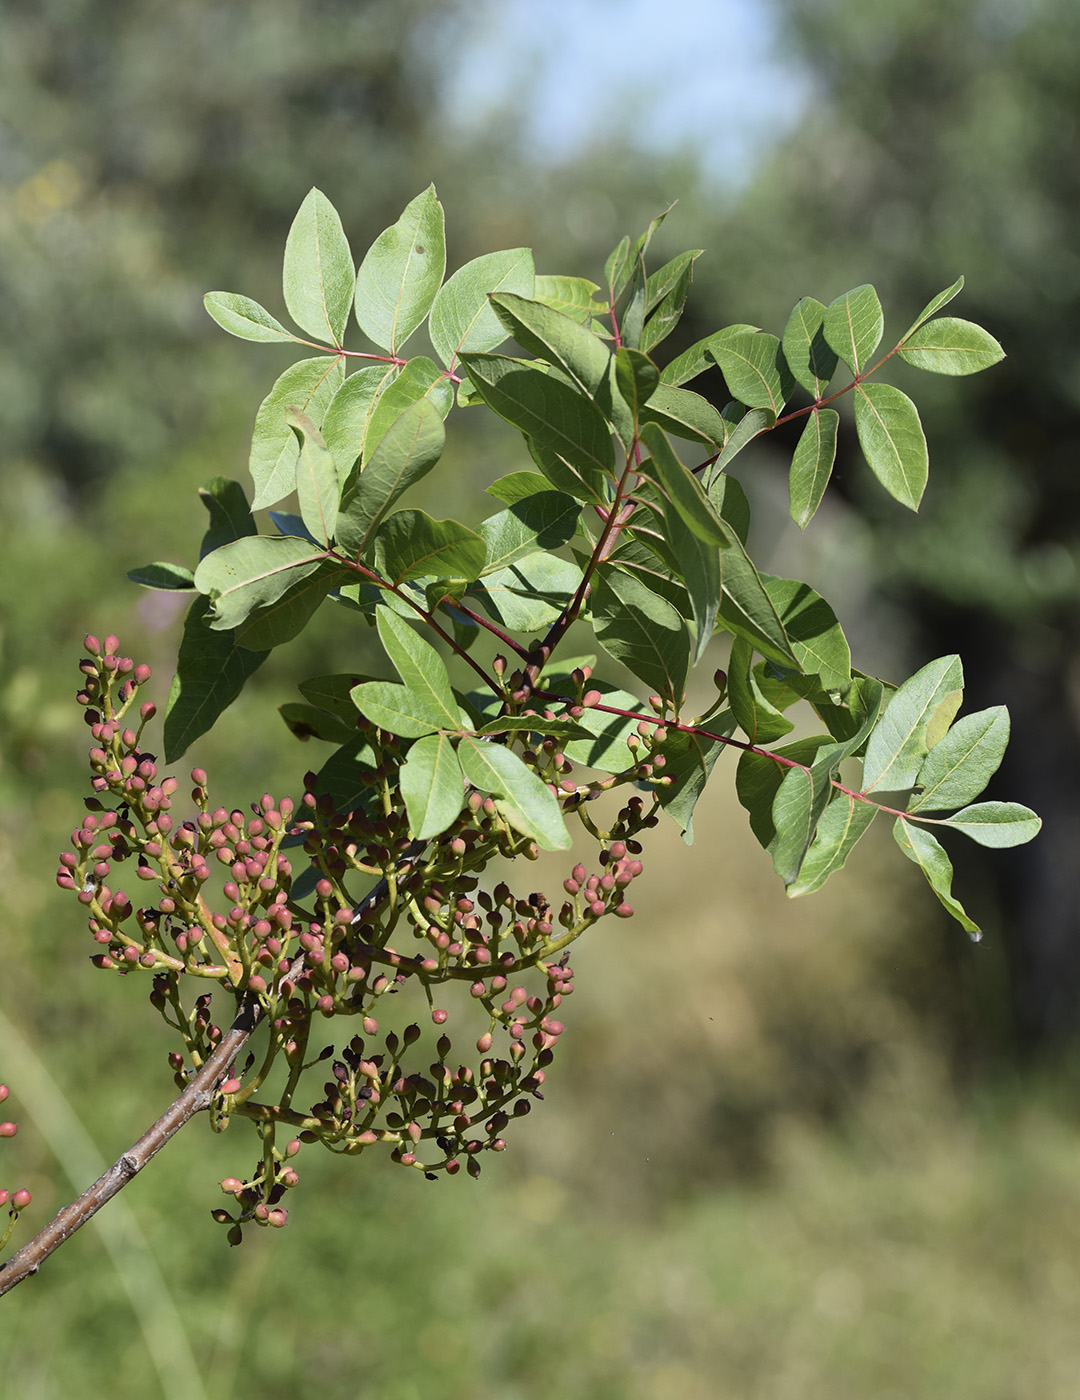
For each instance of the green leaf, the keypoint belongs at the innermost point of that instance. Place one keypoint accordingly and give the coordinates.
(682, 488)
(853, 325)
(317, 486)
(572, 441)
(310, 722)
(641, 630)
(230, 514)
(812, 464)
(557, 339)
(432, 786)
(573, 296)
(898, 745)
(758, 779)
(407, 451)
(402, 711)
(518, 486)
(420, 667)
(951, 346)
(697, 358)
(960, 765)
(167, 576)
(748, 610)
(286, 616)
(699, 569)
(689, 760)
(749, 426)
(522, 798)
(798, 806)
(243, 317)
(308, 385)
(253, 572)
(210, 673)
(401, 273)
(349, 414)
(333, 693)
(687, 415)
(760, 720)
(841, 826)
(410, 544)
(922, 848)
(754, 369)
(816, 638)
(317, 277)
(420, 379)
(637, 379)
(666, 291)
(461, 316)
(529, 594)
(543, 520)
(892, 441)
(730, 503)
(810, 357)
(935, 304)
(996, 824)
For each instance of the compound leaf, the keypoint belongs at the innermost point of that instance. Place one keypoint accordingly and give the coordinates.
(996, 824)
(812, 464)
(308, 385)
(899, 743)
(810, 357)
(408, 450)
(948, 345)
(243, 317)
(960, 765)
(853, 325)
(432, 786)
(521, 796)
(922, 848)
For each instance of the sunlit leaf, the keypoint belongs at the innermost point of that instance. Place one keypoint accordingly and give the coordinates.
(401, 273)
(892, 441)
(317, 277)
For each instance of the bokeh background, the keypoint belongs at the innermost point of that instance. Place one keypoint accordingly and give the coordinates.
(792, 1150)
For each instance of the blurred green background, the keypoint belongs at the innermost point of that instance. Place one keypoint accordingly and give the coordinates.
(816, 1149)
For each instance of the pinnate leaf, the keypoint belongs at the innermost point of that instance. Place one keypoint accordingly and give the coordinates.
(842, 824)
(641, 630)
(211, 670)
(253, 572)
(419, 665)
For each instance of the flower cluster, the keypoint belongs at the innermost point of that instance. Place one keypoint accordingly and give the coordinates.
(262, 905)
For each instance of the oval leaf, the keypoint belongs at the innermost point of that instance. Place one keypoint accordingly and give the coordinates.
(317, 275)
(401, 273)
(951, 346)
(243, 317)
(812, 464)
(853, 325)
(996, 824)
(462, 318)
(523, 798)
(432, 786)
(810, 357)
(308, 385)
(892, 441)
(963, 762)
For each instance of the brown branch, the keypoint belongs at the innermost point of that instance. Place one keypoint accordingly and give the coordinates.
(194, 1099)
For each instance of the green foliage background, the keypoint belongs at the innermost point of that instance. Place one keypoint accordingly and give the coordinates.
(794, 1150)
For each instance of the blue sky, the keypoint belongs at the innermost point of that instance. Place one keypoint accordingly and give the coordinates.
(670, 72)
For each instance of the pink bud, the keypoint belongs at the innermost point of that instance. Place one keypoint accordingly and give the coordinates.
(21, 1199)
(8, 1129)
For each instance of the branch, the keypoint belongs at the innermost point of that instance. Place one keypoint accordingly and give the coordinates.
(194, 1099)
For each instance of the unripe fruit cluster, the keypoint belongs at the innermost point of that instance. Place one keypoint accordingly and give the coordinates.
(226, 908)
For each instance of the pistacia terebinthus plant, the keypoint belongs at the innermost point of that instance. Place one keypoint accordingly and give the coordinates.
(366, 966)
